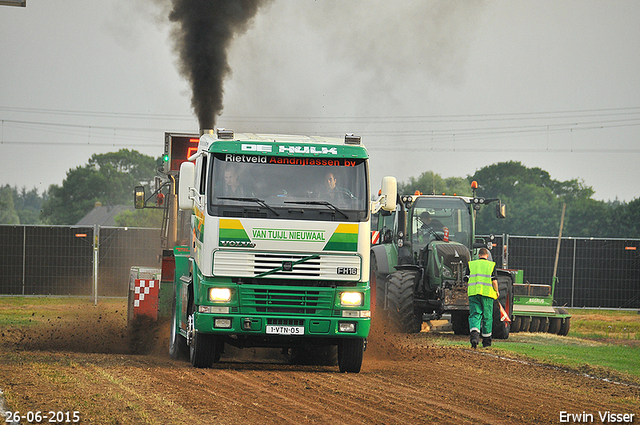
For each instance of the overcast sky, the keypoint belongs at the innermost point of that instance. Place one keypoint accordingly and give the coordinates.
(439, 86)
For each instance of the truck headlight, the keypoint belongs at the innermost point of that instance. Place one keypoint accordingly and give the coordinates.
(220, 294)
(351, 299)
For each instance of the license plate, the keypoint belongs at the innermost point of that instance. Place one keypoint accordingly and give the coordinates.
(285, 330)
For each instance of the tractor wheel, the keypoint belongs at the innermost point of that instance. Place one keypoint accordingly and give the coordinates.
(460, 322)
(516, 324)
(402, 313)
(350, 353)
(554, 325)
(500, 329)
(525, 323)
(177, 343)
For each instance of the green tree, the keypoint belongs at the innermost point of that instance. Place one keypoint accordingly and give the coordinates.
(432, 183)
(534, 203)
(626, 219)
(151, 218)
(107, 178)
(28, 204)
(8, 213)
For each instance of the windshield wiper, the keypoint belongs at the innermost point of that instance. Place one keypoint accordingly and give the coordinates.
(256, 200)
(325, 203)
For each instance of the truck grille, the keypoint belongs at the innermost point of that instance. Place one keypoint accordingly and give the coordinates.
(286, 301)
(254, 264)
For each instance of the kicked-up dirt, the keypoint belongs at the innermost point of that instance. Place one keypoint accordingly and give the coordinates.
(83, 359)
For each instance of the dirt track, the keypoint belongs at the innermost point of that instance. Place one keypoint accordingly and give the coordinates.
(404, 379)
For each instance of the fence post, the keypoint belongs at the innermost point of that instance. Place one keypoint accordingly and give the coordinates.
(24, 256)
(96, 237)
(505, 260)
(573, 272)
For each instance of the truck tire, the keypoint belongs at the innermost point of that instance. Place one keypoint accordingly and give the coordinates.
(177, 343)
(460, 322)
(350, 354)
(402, 313)
(203, 351)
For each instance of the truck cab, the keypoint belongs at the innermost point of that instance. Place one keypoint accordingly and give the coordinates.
(278, 254)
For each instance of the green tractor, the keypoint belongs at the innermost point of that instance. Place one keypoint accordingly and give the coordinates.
(419, 262)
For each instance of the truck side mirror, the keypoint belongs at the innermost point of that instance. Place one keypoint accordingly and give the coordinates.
(390, 193)
(501, 210)
(138, 197)
(185, 185)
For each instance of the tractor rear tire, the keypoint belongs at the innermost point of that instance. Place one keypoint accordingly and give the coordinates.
(402, 312)
(350, 354)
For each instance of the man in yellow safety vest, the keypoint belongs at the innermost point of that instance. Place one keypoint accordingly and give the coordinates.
(482, 290)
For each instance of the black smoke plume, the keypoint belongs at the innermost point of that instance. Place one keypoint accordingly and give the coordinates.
(203, 31)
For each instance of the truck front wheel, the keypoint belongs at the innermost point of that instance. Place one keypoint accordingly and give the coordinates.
(177, 342)
(350, 353)
(204, 349)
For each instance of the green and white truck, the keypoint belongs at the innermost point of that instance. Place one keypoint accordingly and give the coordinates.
(278, 254)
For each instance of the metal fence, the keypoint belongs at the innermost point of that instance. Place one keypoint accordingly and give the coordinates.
(591, 272)
(59, 260)
(62, 260)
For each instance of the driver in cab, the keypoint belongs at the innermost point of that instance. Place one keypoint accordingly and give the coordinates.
(428, 227)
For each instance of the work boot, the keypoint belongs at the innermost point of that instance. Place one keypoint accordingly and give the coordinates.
(486, 341)
(475, 339)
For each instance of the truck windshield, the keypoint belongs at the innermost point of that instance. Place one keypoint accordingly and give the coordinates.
(288, 187)
(430, 217)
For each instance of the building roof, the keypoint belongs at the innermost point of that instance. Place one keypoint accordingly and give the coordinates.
(103, 215)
